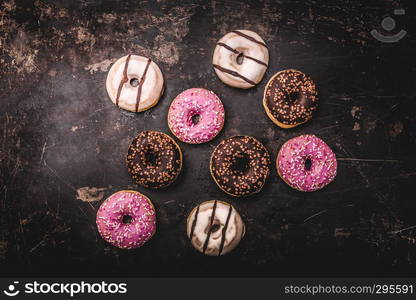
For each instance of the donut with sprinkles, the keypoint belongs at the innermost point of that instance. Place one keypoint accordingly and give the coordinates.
(196, 116)
(240, 165)
(290, 98)
(306, 163)
(154, 159)
(126, 219)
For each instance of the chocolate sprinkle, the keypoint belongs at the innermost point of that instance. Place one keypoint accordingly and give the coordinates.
(237, 182)
(278, 100)
(154, 160)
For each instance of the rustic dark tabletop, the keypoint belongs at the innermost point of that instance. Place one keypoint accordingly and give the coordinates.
(63, 142)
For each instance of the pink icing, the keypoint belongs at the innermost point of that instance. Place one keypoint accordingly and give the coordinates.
(191, 102)
(126, 235)
(291, 163)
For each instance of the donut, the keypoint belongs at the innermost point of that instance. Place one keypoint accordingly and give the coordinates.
(215, 227)
(134, 83)
(240, 59)
(240, 165)
(306, 163)
(126, 219)
(290, 98)
(154, 159)
(196, 116)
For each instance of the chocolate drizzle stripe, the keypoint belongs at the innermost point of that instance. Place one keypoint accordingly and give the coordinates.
(124, 79)
(256, 60)
(245, 56)
(139, 90)
(233, 73)
(228, 47)
(249, 38)
(194, 223)
(209, 228)
(224, 231)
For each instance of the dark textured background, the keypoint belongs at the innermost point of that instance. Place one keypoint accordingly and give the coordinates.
(63, 142)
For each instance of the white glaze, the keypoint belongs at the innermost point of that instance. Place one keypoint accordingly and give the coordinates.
(152, 87)
(249, 68)
(235, 230)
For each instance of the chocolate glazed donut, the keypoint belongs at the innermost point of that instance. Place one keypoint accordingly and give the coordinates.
(240, 165)
(290, 98)
(154, 159)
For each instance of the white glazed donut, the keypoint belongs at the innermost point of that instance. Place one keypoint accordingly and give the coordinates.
(215, 227)
(240, 59)
(135, 83)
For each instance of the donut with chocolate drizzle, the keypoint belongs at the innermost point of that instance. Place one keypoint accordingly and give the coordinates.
(240, 59)
(215, 227)
(154, 159)
(290, 98)
(240, 165)
(135, 83)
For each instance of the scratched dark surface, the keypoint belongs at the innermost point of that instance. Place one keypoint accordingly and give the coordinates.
(63, 142)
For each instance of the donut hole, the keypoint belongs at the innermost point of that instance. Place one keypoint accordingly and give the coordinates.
(195, 119)
(240, 164)
(308, 164)
(150, 158)
(215, 228)
(127, 219)
(134, 82)
(293, 96)
(240, 58)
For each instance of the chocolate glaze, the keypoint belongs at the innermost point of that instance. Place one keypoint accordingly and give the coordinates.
(240, 182)
(224, 231)
(124, 79)
(228, 47)
(209, 228)
(286, 110)
(166, 164)
(233, 73)
(194, 223)
(238, 52)
(139, 89)
(249, 38)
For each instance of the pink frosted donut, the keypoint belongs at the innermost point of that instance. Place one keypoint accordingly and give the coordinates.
(306, 163)
(126, 219)
(196, 116)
